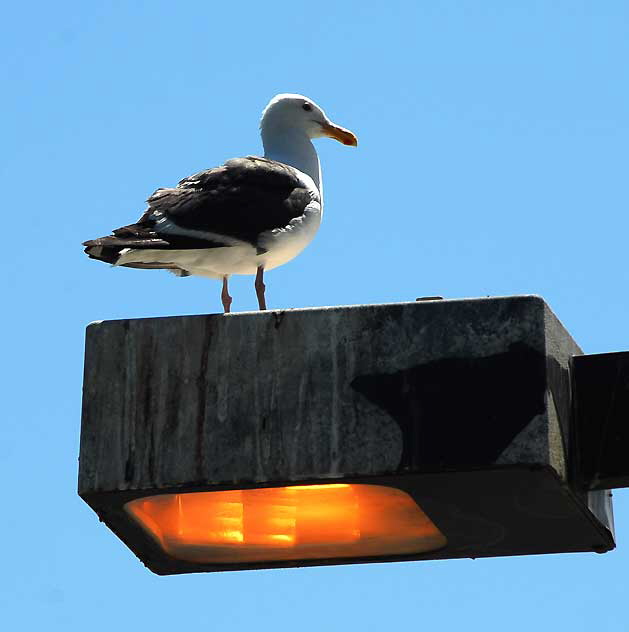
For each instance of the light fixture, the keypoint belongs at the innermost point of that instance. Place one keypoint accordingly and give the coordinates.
(412, 431)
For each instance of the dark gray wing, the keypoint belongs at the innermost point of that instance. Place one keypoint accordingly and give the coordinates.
(238, 201)
(242, 199)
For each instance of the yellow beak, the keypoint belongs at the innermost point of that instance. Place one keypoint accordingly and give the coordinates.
(339, 133)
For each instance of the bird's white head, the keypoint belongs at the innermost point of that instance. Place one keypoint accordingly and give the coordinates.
(296, 114)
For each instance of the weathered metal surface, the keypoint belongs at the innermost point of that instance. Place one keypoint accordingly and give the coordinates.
(319, 393)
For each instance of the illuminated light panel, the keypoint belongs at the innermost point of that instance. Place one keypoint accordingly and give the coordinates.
(287, 523)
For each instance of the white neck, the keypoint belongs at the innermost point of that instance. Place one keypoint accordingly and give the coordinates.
(294, 148)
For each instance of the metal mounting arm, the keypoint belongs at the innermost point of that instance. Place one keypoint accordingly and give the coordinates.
(601, 414)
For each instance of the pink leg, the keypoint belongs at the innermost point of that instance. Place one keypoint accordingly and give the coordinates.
(260, 287)
(225, 297)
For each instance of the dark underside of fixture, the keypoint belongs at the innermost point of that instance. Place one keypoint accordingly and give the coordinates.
(511, 510)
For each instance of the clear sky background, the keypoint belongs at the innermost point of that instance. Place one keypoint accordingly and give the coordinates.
(492, 161)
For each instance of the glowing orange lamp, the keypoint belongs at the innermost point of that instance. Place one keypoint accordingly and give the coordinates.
(286, 523)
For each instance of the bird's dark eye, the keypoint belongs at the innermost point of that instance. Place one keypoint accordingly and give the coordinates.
(307, 107)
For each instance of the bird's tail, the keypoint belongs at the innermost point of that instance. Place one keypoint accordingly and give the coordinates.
(109, 248)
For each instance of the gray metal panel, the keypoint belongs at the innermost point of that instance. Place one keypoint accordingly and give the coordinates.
(274, 396)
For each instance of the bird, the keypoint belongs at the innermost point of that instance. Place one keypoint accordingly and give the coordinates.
(246, 216)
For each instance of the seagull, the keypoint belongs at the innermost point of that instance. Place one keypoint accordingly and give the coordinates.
(249, 215)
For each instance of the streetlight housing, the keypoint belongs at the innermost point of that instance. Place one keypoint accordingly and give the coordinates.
(409, 431)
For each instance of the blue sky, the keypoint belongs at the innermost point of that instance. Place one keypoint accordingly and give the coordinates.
(492, 161)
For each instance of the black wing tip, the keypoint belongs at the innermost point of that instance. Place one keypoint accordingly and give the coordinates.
(99, 249)
(101, 253)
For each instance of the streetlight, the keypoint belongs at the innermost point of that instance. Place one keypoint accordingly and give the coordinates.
(410, 431)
